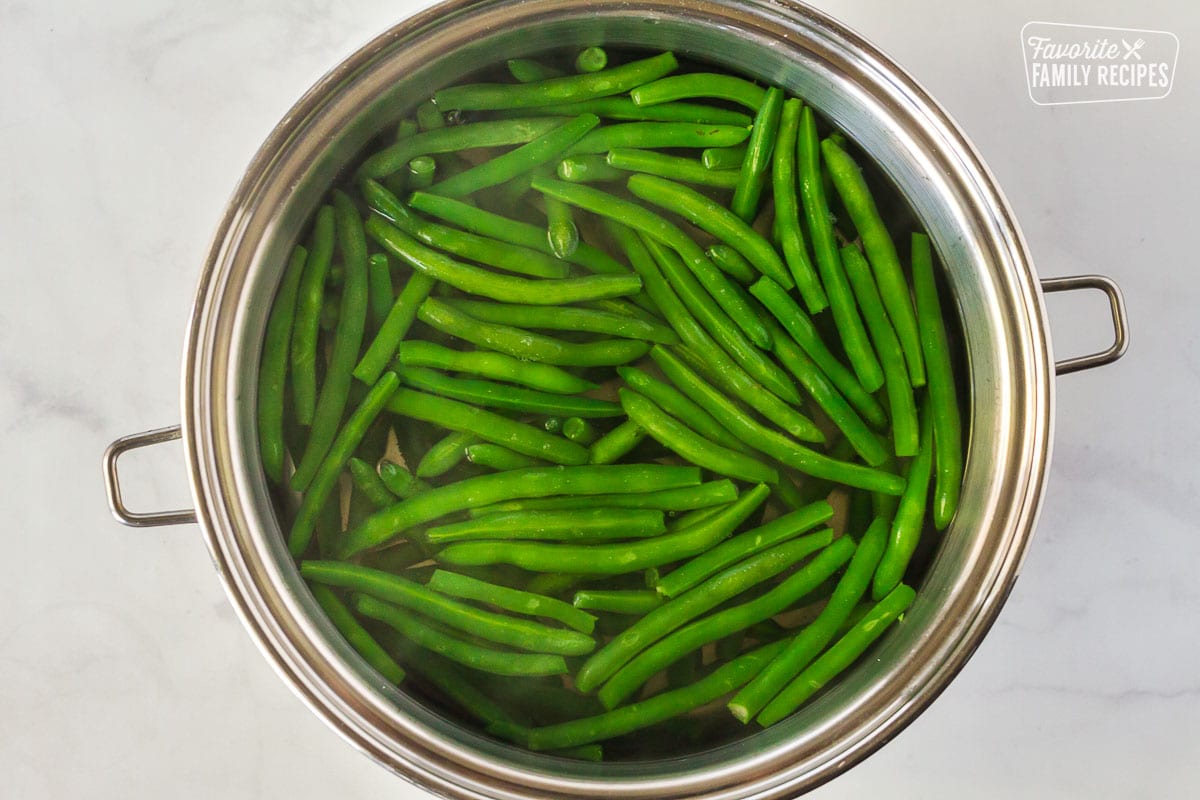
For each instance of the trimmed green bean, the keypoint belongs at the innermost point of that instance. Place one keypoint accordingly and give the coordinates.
(497, 395)
(801, 328)
(399, 319)
(711, 216)
(622, 108)
(700, 84)
(308, 316)
(389, 523)
(506, 288)
(609, 559)
(561, 230)
(635, 602)
(429, 116)
(881, 252)
(494, 456)
(723, 157)
(943, 396)
(580, 431)
(723, 623)
(423, 634)
(588, 168)
(905, 431)
(658, 135)
(526, 70)
(677, 404)
(486, 425)
(568, 89)
(838, 657)
(356, 634)
(672, 615)
(399, 481)
(566, 318)
(731, 262)
(514, 600)
(591, 59)
(690, 498)
(593, 522)
(687, 170)
(380, 289)
(910, 515)
(325, 477)
(527, 345)
(493, 133)
(787, 214)
(521, 634)
(615, 444)
(407, 127)
(693, 447)
(421, 172)
(492, 365)
(779, 530)
(445, 454)
(760, 146)
(813, 638)
(368, 482)
(273, 367)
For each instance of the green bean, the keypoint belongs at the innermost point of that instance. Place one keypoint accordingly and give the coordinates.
(588, 168)
(494, 456)
(494, 133)
(421, 171)
(580, 431)
(514, 600)
(700, 84)
(487, 426)
(566, 318)
(497, 395)
(394, 328)
(346, 342)
(338, 453)
(881, 252)
(677, 404)
(726, 371)
(689, 498)
(492, 365)
(527, 345)
(748, 193)
(527, 70)
(429, 116)
(570, 523)
(624, 109)
(553, 424)
(615, 444)
(420, 632)
(787, 215)
(458, 688)
(407, 127)
(910, 515)
(670, 616)
(561, 230)
(568, 89)
(490, 252)
(694, 517)
(308, 316)
(943, 397)
(752, 542)
(536, 482)
(330, 311)
(714, 218)
(356, 635)
(399, 481)
(765, 440)
(723, 157)
(838, 657)
(905, 432)
(658, 135)
(272, 372)
(368, 482)
(635, 602)
(379, 289)
(723, 623)
(677, 437)
(518, 633)
(801, 328)
(518, 161)
(787, 494)
(813, 638)
(550, 583)
(506, 288)
(687, 170)
(445, 454)
(591, 59)
(486, 223)
(731, 262)
(617, 558)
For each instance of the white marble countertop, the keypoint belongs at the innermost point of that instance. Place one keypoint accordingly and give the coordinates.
(124, 673)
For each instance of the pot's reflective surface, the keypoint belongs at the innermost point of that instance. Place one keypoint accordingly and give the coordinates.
(917, 147)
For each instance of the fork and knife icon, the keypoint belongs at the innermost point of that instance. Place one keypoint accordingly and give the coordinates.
(1132, 49)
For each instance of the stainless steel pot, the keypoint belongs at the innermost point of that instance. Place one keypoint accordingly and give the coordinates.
(919, 148)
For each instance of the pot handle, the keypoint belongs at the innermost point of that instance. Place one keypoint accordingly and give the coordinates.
(1120, 320)
(112, 483)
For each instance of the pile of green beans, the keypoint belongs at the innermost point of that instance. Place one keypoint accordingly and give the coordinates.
(577, 380)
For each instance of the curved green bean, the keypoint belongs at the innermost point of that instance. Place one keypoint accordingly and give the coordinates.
(748, 192)
(690, 498)
(700, 84)
(514, 600)
(687, 170)
(731, 262)
(659, 135)
(943, 396)
(492, 133)
(615, 444)
(723, 157)
(445, 454)
(787, 214)
(497, 395)
(273, 368)
(910, 515)
(369, 484)
(635, 602)
(497, 457)
(593, 522)
(840, 656)
(356, 634)
(307, 323)
(677, 404)
(588, 168)
(497, 366)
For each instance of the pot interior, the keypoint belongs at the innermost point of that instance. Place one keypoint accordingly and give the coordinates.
(913, 145)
